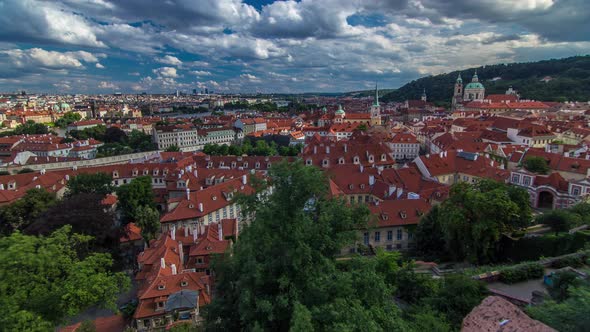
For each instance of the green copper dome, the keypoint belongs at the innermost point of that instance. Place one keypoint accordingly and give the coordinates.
(340, 110)
(474, 85)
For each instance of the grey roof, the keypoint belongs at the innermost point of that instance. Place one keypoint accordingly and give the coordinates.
(467, 155)
(182, 300)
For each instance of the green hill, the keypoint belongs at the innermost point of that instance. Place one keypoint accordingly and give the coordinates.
(570, 81)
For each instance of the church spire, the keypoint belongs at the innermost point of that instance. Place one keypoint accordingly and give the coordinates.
(376, 101)
(423, 98)
(475, 78)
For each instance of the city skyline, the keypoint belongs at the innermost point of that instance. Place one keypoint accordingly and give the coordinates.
(230, 46)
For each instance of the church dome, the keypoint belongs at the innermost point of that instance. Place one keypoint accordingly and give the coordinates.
(340, 111)
(474, 85)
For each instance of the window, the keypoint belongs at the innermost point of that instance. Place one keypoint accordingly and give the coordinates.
(515, 178)
(527, 180)
(200, 260)
(399, 234)
(308, 162)
(576, 191)
(377, 236)
(366, 238)
(389, 235)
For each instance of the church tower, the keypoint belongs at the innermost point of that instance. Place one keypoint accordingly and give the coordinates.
(458, 93)
(376, 110)
(423, 98)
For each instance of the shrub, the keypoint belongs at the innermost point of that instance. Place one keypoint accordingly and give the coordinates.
(572, 261)
(522, 272)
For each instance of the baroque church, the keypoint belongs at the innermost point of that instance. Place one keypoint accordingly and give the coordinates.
(473, 91)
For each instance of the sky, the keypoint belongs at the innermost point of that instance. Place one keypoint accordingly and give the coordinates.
(231, 46)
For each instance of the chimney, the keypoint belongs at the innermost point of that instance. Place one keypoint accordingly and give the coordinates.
(188, 193)
(371, 180)
(195, 173)
(327, 150)
(315, 150)
(1, 186)
(361, 168)
(244, 179)
(441, 154)
(200, 207)
(492, 163)
(67, 177)
(180, 252)
(162, 263)
(445, 153)
(400, 191)
(173, 267)
(220, 231)
(173, 233)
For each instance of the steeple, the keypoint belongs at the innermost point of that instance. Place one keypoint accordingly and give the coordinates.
(475, 78)
(423, 98)
(376, 102)
(459, 79)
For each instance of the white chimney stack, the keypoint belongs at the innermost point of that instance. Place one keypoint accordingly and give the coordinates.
(327, 149)
(188, 193)
(173, 233)
(180, 252)
(244, 179)
(173, 267)
(345, 147)
(361, 168)
(200, 207)
(162, 263)
(195, 173)
(220, 231)
(371, 180)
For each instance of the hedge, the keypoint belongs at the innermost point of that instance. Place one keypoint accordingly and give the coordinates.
(568, 261)
(522, 272)
(549, 245)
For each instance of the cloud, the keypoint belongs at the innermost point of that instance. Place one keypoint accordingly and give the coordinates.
(169, 72)
(99, 66)
(169, 60)
(251, 78)
(107, 85)
(201, 73)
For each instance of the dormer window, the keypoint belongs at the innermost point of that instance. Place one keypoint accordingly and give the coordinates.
(341, 161)
(135, 172)
(257, 166)
(325, 162)
(161, 287)
(383, 157)
(371, 159)
(362, 186)
(268, 165)
(115, 174)
(350, 186)
(308, 162)
(403, 214)
(356, 159)
(155, 172)
(233, 164)
(183, 283)
(214, 198)
(385, 217)
(145, 171)
(210, 164)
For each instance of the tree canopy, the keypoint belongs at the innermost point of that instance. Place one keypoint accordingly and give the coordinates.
(68, 118)
(283, 273)
(90, 183)
(42, 280)
(133, 195)
(536, 165)
(474, 218)
(148, 220)
(23, 212)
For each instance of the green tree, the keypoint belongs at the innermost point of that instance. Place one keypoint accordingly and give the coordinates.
(430, 237)
(457, 296)
(567, 316)
(140, 141)
(148, 220)
(563, 282)
(173, 148)
(133, 195)
(558, 220)
(536, 165)
(90, 183)
(42, 280)
(24, 211)
(475, 216)
(68, 118)
(283, 273)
